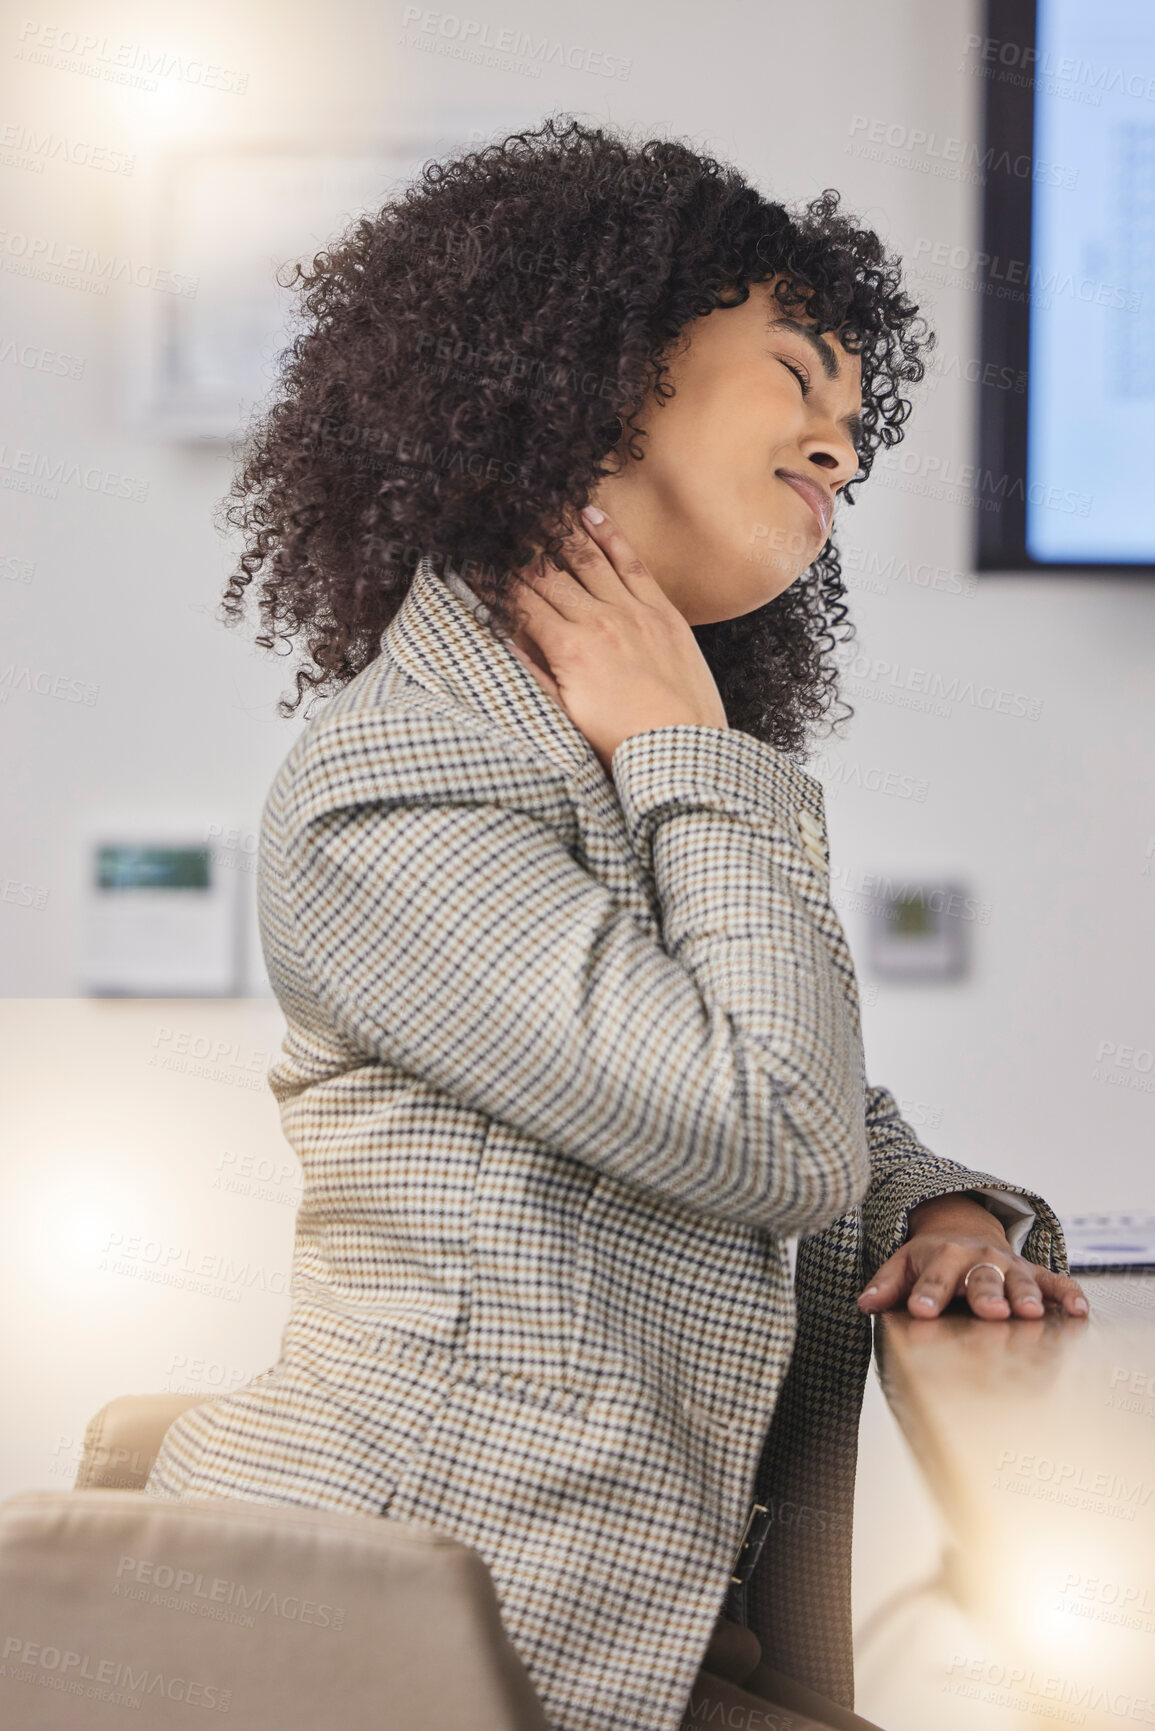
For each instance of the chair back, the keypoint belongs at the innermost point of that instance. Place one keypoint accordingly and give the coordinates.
(123, 1439)
(283, 1617)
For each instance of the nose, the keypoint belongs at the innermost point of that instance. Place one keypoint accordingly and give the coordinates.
(833, 452)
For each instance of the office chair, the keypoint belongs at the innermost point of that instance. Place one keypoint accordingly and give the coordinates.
(284, 1618)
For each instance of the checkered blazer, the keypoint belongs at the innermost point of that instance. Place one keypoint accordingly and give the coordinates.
(566, 1061)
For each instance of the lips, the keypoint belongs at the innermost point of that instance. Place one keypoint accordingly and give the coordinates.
(815, 495)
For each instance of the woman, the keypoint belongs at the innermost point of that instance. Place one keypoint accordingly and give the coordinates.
(573, 1052)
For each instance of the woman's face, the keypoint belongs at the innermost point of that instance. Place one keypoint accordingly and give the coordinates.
(734, 497)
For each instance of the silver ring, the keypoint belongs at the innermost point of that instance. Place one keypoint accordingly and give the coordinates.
(993, 1265)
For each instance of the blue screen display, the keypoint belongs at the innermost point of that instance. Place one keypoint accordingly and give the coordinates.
(1091, 397)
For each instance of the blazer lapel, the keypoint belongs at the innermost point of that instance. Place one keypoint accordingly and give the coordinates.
(438, 637)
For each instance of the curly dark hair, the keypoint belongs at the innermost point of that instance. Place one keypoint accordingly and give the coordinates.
(469, 369)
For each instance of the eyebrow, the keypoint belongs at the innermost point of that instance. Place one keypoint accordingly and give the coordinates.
(826, 360)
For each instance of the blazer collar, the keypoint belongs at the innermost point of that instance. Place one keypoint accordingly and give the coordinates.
(438, 637)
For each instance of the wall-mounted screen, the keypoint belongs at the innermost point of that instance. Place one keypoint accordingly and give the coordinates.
(1067, 275)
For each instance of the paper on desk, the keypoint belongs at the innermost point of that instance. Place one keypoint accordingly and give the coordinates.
(1109, 1240)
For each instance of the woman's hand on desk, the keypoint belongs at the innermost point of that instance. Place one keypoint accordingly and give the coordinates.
(947, 1236)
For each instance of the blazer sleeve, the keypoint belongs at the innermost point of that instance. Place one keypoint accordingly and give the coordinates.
(903, 1173)
(449, 930)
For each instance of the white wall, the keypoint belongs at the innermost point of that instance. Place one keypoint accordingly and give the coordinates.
(1049, 820)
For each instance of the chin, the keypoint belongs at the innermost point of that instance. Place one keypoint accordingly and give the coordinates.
(735, 609)
(744, 578)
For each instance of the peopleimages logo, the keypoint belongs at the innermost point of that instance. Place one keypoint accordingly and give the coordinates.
(841, 773)
(975, 372)
(947, 156)
(19, 140)
(37, 255)
(1013, 278)
(476, 38)
(41, 360)
(69, 1670)
(216, 1590)
(179, 1265)
(928, 681)
(130, 63)
(874, 892)
(42, 472)
(1049, 1695)
(875, 571)
(997, 56)
(984, 484)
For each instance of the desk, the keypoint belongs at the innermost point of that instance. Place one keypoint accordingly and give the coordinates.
(1037, 1442)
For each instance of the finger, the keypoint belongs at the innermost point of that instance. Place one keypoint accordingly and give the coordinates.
(1023, 1293)
(540, 618)
(1064, 1289)
(984, 1291)
(890, 1283)
(557, 588)
(546, 680)
(627, 567)
(943, 1277)
(588, 562)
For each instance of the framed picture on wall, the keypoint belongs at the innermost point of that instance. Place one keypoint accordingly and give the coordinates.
(217, 229)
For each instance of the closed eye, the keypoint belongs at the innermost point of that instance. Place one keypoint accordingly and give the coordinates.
(802, 377)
